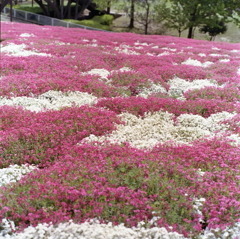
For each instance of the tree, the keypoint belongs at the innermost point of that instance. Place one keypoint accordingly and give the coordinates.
(103, 4)
(213, 31)
(195, 13)
(173, 16)
(60, 11)
(84, 5)
(132, 10)
(4, 3)
(145, 17)
(128, 6)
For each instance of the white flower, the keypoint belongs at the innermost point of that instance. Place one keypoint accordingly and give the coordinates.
(103, 73)
(53, 100)
(14, 173)
(154, 88)
(18, 50)
(196, 63)
(178, 86)
(94, 230)
(26, 35)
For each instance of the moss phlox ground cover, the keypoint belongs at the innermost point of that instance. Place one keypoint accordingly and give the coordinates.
(135, 132)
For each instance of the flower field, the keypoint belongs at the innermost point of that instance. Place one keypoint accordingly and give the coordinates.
(118, 135)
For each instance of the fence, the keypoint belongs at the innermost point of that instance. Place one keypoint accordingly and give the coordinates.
(43, 20)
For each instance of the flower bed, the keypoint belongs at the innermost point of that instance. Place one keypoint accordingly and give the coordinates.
(118, 135)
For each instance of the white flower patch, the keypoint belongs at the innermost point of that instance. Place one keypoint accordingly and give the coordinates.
(192, 62)
(150, 54)
(200, 172)
(141, 44)
(202, 54)
(60, 99)
(234, 51)
(221, 116)
(238, 71)
(155, 47)
(125, 69)
(18, 50)
(224, 60)
(178, 86)
(138, 47)
(235, 138)
(27, 35)
(14, 173)
(212, 123)
(215, 48)
(28, 103)
(232, 232)
(165, 53)
(140, 133)
(59, 43)
(154, 88)
(159, 127)
(125, 49)
(51, 100)
(197, 205)
(169, 49)
(6, 227)
(103, 73)
(215, 55)
(94, 230)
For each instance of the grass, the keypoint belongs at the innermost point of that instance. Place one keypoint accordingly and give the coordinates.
(29, 8)
(100, 22)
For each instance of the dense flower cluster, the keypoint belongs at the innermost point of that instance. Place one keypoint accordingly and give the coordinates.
(116, 135)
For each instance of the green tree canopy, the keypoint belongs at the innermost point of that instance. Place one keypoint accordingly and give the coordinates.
(213, 31)
(185, 14)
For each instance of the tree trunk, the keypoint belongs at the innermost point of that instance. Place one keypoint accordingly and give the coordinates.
(58, 3)
(4, 3)
(45, 11)
(83, 7)
(68, 10)
(147, 18)
(146, 28)
(179, 33)
(53, 5)
(192, 20)
(190, 32)
(108, 7)
(62, 6)
(76, 10)
(131, 25)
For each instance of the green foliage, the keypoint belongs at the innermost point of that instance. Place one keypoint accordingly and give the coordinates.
(105, 19)
(103, 4)
(183, 14)
(219, 28)
(28, 8)
(99, 22)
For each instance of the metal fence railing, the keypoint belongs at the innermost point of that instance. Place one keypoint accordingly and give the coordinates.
(44, 20)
